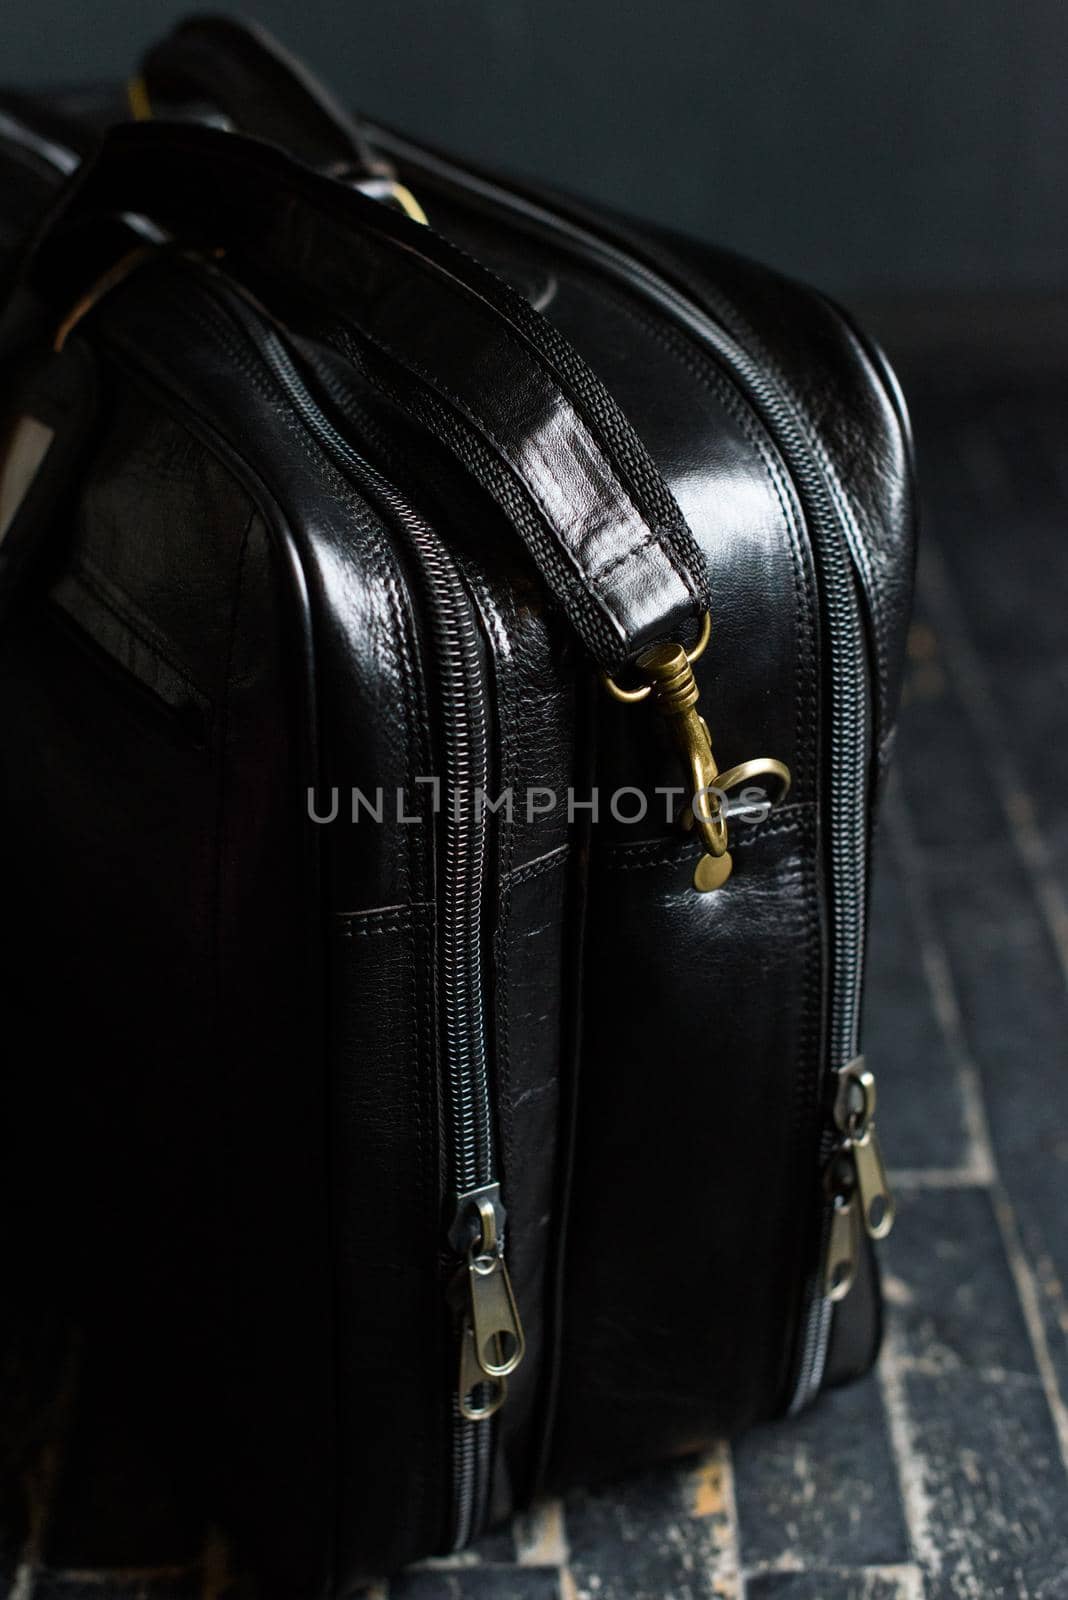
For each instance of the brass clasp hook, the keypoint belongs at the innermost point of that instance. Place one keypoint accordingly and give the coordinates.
(674, 690)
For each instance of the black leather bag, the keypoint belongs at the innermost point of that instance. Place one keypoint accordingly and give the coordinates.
(467, 1117)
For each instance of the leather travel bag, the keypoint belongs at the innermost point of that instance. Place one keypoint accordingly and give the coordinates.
(450, 646)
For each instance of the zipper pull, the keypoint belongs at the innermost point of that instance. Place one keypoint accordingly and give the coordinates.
(491, 1317)
(854, 1115)
(478, 1397)
(876, 1200)
(843, 1240)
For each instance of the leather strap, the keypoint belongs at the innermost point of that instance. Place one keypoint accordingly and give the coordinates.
(240, 71)
(601, 525)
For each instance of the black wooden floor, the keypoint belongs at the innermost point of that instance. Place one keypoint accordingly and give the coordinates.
(946, 1474)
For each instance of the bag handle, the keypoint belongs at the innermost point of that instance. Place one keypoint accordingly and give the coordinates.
(237, 69)
(452, 341)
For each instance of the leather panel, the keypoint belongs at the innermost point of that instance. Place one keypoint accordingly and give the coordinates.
(160, 959)
(679, 1291)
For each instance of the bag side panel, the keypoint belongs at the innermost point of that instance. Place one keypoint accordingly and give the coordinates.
(151, 714)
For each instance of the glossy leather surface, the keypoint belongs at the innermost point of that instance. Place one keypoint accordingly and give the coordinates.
(607, 536)
(253, 628)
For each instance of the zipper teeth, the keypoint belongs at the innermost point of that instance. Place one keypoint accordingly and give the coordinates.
(467, 770)
(471, 1454)
(847, 645)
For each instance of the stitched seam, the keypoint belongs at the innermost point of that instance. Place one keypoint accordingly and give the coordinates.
(653, 853)
(357, 924)
(598, 574)
(766, 829)
(542, 864)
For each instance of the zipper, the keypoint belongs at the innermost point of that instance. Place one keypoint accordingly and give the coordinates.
(490, 1340)
(850, 720)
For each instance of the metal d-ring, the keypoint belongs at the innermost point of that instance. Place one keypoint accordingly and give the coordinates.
(760, 767)
(630, 697)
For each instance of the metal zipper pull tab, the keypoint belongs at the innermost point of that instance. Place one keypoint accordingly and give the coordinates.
(478, 1397)
(877, 1204)
(854, 1115)
(492, 1316)
(843, 1241)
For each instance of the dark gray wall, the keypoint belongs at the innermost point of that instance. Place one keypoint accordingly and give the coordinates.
(871, 145)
